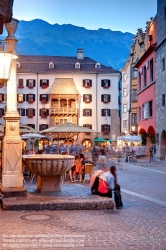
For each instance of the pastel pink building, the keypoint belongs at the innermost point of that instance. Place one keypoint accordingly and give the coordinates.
(146, 68)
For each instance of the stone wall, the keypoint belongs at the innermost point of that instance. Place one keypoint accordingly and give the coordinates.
(161, 21)
(115, 122)
(160, 74)
(115, 129)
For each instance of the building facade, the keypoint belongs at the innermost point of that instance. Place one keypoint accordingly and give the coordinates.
(146, 101)
(161, 80)
(53, 90)
(129, 78)
(125, 98)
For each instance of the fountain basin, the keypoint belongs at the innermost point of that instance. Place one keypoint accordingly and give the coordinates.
(49, 169)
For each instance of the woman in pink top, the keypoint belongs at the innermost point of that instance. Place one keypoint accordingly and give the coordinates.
(106, 184)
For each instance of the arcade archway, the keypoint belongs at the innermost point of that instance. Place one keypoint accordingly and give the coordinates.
(163, 145)
(142, 132)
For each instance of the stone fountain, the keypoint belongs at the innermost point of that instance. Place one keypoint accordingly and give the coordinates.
(49, 169)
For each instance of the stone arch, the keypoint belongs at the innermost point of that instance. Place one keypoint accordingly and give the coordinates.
(151, 131)
(142, 132)
(163, 145)
(150, 136)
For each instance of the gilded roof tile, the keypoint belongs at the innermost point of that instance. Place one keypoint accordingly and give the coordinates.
(63, 86)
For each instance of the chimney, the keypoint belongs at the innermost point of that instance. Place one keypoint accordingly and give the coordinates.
(80, 53)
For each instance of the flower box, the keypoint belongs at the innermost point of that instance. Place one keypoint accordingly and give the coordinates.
(44, 87)
(43, 101)
(20, 87)
(105, 132)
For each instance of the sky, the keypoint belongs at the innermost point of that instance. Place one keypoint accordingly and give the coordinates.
(116, 15)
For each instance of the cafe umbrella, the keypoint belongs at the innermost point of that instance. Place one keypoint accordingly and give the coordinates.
(66, 131)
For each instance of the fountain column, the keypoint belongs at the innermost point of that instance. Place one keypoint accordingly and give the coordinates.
(12, 177)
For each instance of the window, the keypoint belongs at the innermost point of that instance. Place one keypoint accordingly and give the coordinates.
(31, 125)
(124, 92)
(134, 72)
(105, 112)
(147, 110)
(20, 98)
(124, 108)
(87, 98)
(21, 111)
(105, 83)
(44, 112)
(124, 77)
(150, 109)
(18, 65)
(30, 112)
(139, 114)
(1, 112)
(134, 119)
(44, 83)
(144, 70)
(125, 124)
(44, 98)
(151, 70)
(30, 83)
(1, 97)
(134, 95)
(20, 83)
(105, 128)
(77, 65)
(163, 63)
(87, 83)
(97, 65)
(51, 65)
(105, 98)
(87, 126)
(163, 100)
(139, 81)
(43, 126)
(30, 98)
(87, 112)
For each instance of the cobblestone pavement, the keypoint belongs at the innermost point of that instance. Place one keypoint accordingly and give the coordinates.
(140, 225)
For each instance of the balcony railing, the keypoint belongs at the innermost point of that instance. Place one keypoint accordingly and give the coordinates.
(63, 110)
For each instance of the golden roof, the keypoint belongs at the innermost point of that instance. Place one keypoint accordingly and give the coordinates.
(63, 86)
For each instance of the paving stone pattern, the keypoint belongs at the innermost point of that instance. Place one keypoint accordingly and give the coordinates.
(140, 225)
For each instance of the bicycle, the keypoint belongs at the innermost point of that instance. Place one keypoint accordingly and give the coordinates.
(132, 158)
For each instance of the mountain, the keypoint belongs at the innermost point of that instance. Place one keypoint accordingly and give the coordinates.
(37, 37)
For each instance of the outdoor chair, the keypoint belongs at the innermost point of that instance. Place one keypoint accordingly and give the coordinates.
(88, 170)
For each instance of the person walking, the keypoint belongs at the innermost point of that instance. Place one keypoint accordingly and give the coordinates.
(151, 151)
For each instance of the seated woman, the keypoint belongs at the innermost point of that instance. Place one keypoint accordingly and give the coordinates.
(117, 192)
(94, 180)
(108, 183)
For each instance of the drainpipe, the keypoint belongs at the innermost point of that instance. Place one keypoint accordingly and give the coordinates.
(37, 108)
(130, 99)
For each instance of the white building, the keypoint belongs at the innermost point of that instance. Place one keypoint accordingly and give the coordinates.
(56, 89)
(125, 98)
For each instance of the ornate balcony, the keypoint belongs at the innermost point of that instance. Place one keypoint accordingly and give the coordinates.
(54, 111)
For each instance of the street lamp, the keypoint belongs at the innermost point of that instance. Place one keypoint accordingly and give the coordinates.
(12, 176)
(5, 65)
